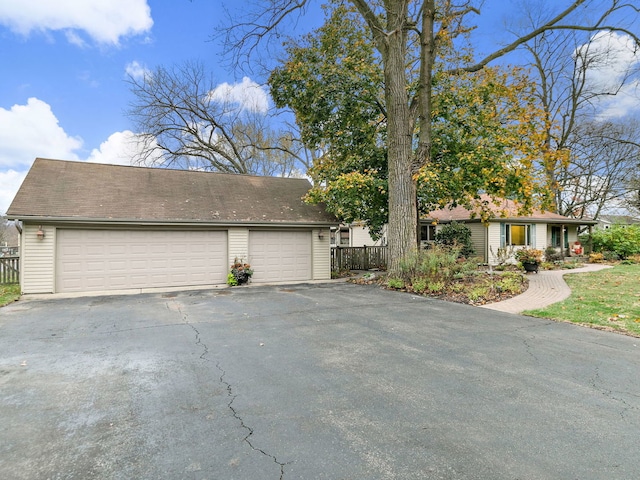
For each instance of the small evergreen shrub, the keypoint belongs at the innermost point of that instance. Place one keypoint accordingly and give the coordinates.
(551, 254)
(456, 234)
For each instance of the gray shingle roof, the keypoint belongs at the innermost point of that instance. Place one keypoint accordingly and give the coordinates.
(504, 209)
(60, 189)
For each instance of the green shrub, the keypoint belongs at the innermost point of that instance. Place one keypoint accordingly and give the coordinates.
(623, 241)
(456, 234)
(477, 293)
(419, 285)
(510, 283)
(610, 256)
(396, 283)
(435, 287)
(435, 263)
(551, 254)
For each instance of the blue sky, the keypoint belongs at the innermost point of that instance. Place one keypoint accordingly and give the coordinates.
(64, 64)
(63, 92)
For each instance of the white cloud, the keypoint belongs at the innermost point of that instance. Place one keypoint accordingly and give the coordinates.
(30, 131)
(248, 95)
(613, 60)
(119, 149)
(106, 22)
(625, 102)
(10, 181)
(26, 132)
(136, 70)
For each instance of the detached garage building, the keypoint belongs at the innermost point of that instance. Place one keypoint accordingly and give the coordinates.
(94, 227)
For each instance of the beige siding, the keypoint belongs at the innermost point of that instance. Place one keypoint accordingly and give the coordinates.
(321, 254)
(493, 241)
(37, 259)
(238, 244)
(573, 233)
(360, 236)
(541, 236)
(478, 239)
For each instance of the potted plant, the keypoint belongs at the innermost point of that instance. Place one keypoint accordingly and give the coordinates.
(240, 273)
(530, 258)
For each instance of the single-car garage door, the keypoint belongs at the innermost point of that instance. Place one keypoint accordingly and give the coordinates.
(280, 256)
(90, 260)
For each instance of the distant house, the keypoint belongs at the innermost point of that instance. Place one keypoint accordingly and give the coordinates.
(89, 227)
(356, 234)
(607, 221)
(538, 230)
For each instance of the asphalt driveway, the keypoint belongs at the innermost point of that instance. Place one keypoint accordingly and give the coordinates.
(332, 381)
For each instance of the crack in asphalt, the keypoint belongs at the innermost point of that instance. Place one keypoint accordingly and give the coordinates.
(230, 394)
(237, 416)
(596, 379)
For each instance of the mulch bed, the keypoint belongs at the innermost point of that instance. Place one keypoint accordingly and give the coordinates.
(460, 291)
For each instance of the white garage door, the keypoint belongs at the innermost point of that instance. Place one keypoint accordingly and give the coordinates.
(280, 256)
(90, 260)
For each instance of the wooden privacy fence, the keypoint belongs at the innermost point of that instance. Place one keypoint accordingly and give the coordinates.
(9, 270)
(358, 258)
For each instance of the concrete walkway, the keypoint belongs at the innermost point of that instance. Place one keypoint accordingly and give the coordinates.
(545, 288)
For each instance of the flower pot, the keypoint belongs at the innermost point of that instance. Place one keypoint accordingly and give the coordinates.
(242, 278)
(530, 266)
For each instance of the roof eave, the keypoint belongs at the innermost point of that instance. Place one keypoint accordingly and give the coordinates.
(184, 223)
(570, 221)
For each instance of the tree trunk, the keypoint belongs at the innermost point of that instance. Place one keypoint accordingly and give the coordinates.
(403, 212)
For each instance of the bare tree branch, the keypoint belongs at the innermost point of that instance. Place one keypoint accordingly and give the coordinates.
(183, 122)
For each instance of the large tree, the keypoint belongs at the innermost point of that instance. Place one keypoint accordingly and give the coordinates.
(332, 82)
(486, 125)
(602, 167)
(185, 120)
(406, 36)
(577, 74)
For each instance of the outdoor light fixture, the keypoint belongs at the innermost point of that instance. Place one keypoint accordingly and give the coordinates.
(321, 235)
(40, 233)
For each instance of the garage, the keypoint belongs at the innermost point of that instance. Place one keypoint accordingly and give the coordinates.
(91, 260)
(89, 227)
(280, 255)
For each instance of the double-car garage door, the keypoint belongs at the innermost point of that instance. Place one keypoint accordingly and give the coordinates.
(91, 260)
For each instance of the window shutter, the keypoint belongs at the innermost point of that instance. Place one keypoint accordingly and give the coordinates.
(503, 235)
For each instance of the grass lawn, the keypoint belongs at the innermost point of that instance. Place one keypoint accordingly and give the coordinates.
(607, 299)
(9, 293)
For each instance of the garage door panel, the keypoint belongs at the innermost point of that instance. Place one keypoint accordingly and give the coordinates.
(118, 259)
(280, 255)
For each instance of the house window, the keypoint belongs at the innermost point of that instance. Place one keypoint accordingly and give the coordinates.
(427, 233)
(344, 237)
(340, 237)
(517, 235)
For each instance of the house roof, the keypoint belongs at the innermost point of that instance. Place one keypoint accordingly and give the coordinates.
(82, 191)
(619, 219)
(502, 209)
